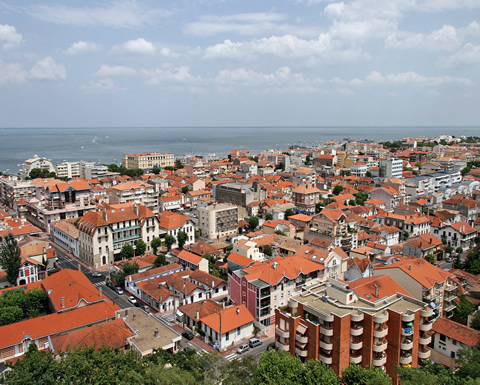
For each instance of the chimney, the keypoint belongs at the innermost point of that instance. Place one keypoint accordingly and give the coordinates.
(133, 317)
(155, 333)
(126, 312)
(198, 314)
(63, 302)
(238, 310)
(410, 267)
(79, 267)
(376, 290)
(100, 292)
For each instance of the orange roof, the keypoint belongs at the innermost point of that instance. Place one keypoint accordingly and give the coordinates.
(54, 323)
(187, 256)
(170, 220)
(114, 334)
(458, 332)
(154, 271)
(239, 259)
(306, 189)
(301, 217)
(420, 270)
(204, 308)
(230, 318)
(386, 286)
(463, 227)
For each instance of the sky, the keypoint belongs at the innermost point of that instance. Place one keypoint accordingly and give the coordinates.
(134, 63)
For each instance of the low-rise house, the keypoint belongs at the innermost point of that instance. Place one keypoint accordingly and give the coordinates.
(248, 248)
(214, 286)
(358, 268)
(388, 195)
(422, 245)
(192, 261)
(65, 234)
(171, 223)
(229, 326)
(192, 313)
(459, 234)
(279, 225)
(449, 338)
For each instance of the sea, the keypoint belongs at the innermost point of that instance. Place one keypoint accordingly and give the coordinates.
(107, 144)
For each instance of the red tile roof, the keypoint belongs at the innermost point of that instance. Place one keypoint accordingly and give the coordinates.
(385, 285)
(458, 332)
(230, 318)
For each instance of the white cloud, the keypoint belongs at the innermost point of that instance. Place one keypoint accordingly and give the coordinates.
(287, 46)
(468, 54)
(412, 78)
(11, 73)
(138, 46)
(445, 38)
(169, 74)
(82, 47)
(346, 91)
(103, 85)
(47, 69)
(116, 14)
(9, 37)
(106, 70)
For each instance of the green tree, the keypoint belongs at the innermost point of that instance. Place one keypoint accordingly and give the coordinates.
(182, 238)
(267, 250)
(41, 173)
(430, 258)
(156, 170)
(185, 189)
(169, 168)
(356, 375)
(352, 202)
(464, 309)
(10, 314)
(368, 174)
(178, 164)
(428, 374)
(253, 223)
(268, 216)
(127, 251)
(130, 268)
(337, 189)
(280, 166)
(169, 241)
(316, 372)
(118, 278)
(140, 247)
(468, 363)
(449, 250)
(10, 258)
(155, 244)
(289, 213)
(361, 197)
(160, 261)
(459, 250)
(243, 371)
(279, 368)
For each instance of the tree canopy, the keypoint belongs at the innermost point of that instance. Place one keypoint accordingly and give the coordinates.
(253, 223)
(10, 258)
(17, 304)
(182, 238)
(41, 173)
(169, 241)
(140, 247)
(155, 244)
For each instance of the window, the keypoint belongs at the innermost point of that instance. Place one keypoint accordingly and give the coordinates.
(238, 331)
(227, 336)
(452, 354)
(443, 338)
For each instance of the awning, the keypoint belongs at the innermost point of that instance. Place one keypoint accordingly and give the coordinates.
(179, 313)
(301, 329)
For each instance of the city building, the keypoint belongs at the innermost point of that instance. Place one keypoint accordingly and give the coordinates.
(171, 223)
(218, 221)
(147, 161)
(305, 197)
(371, 321)
(12, 190)
(71, 170)
(35, 162)
(136, 193)
(391, 168)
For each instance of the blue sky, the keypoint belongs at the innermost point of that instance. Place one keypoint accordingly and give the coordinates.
(235, 63)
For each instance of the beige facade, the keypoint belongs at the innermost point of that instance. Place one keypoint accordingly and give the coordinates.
(12, 189)
(146, 161)
(135, 193)
(218, 221)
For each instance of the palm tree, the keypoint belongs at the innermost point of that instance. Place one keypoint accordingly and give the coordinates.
(10, 258)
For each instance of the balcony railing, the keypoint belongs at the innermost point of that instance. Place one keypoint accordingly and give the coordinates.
(380, 346)
(380, 332)
(326, 330)
(282, 333)
(424, 354)
(405, 360)
(282, 347)
(355, 359)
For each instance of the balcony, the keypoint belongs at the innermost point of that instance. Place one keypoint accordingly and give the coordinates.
(356, 359)
(424, 354)
(301, 339)
(126, 228)
(282, 333)
(356, 345)
(408, 317)
(356, 330)
(325, 359)
(426, 326)
(428, 312)
(326, 345)
(301, 352)
(405, 360)
(449, 296)
(406, 345)
(326, 330)
(449, 306)
(381, 318)
(381, 346)
(356, 317)
(379, 361)
(451, 287)
(282, 347)
(425, 340)
(381, 331)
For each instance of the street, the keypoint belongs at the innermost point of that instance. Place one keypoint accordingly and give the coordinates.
(255, 352)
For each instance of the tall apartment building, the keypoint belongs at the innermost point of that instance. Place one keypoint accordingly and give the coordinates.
(12, 189)
(218, 221)
(391, 168)
(134, 192)
(240, 194)
(372, 321)
(35, 162)
(72, 169)
(305, 197)
(148, 160)
(102, 234)
(266, 285)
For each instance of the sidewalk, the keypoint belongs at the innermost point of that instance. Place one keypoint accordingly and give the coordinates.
(197, 340)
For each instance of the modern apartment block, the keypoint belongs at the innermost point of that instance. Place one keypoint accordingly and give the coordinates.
(72, 169)
(305, 197)
(148, 160)
(391, 168)
(372, 321)
(218, 221)
(12, 189)
(135, 193)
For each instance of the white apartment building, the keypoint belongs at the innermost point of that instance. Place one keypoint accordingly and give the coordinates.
(72, 169)
(35, 162)
(218, 221)
(103, 233)
(12, 189)
(432, 183)
(391, 168)
(147, 161)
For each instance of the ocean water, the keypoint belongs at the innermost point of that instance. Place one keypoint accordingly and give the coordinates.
(107, 145)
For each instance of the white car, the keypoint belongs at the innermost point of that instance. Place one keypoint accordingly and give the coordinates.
(97, 274)
(132, 299)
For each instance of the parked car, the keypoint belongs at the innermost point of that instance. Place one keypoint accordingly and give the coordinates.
(254, 342)
(243, 348)
(110, 285)
(146, 308)
(187, 335)
(132, 299)
(119, 290)
(97, 274)
(271, 346)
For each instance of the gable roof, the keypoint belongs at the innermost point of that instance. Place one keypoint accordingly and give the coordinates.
(458, 332)
(230, 318)
(382, 284)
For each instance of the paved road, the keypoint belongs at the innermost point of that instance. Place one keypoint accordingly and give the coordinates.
(255, 352)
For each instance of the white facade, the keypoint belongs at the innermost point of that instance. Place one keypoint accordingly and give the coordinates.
(391, 168)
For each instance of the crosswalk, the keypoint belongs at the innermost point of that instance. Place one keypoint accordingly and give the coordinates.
(99, 284)
(231, 357)
(168, 317)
